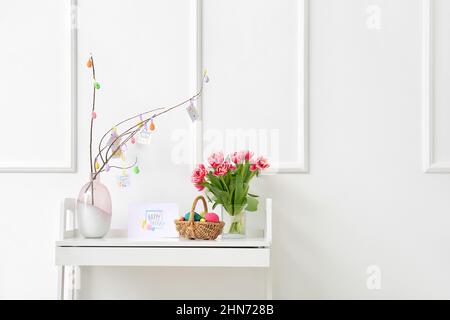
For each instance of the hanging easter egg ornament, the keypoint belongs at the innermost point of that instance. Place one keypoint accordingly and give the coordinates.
(107, 167)
(89, 63)
(152, 125)
(136, 169)
(96, 85)
(97, 165)
(94, 115)
(133, 140)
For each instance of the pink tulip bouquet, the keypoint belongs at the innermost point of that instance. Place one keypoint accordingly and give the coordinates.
(226, 182)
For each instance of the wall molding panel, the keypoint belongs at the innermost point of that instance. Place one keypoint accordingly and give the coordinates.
(430, 163)
(300, 164)
(197, 48)
(42, 117)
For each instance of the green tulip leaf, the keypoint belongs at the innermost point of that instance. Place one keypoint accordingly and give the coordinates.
(252, 204)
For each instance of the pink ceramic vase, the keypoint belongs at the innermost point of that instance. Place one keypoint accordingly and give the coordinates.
(94, 209)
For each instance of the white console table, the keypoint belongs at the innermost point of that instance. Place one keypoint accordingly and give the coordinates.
(118, 250)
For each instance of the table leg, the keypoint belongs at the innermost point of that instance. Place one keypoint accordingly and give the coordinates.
(269, 284)
(72, 282)
(76, 275)
(60, 283)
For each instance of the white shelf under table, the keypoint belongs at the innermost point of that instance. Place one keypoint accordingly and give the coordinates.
(118, 250)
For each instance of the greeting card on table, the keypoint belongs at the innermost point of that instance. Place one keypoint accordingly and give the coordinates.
(152, 220)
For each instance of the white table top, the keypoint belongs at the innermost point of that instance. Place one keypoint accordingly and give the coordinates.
(115, 239)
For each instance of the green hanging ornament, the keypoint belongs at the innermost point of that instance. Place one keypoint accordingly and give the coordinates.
(96, 85)
(136, 169)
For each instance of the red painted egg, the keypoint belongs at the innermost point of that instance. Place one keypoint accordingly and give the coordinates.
(212, 217)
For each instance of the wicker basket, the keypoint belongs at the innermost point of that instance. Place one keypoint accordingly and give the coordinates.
(191, 229)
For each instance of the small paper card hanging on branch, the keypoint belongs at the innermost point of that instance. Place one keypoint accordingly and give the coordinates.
(144, 135)
(123, 180)
(115, 144)
(192, 111)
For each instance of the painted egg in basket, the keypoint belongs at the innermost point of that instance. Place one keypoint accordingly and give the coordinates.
(197, 217)
(212, 217)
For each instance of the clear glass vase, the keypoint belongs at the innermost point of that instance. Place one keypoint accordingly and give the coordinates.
(234, 218)
(94, 209)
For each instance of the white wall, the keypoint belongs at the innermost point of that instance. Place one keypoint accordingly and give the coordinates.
(365, 201)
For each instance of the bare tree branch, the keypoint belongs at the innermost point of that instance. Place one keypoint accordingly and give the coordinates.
(127, 134)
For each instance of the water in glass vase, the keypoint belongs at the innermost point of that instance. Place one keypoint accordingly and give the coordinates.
(234, 223)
